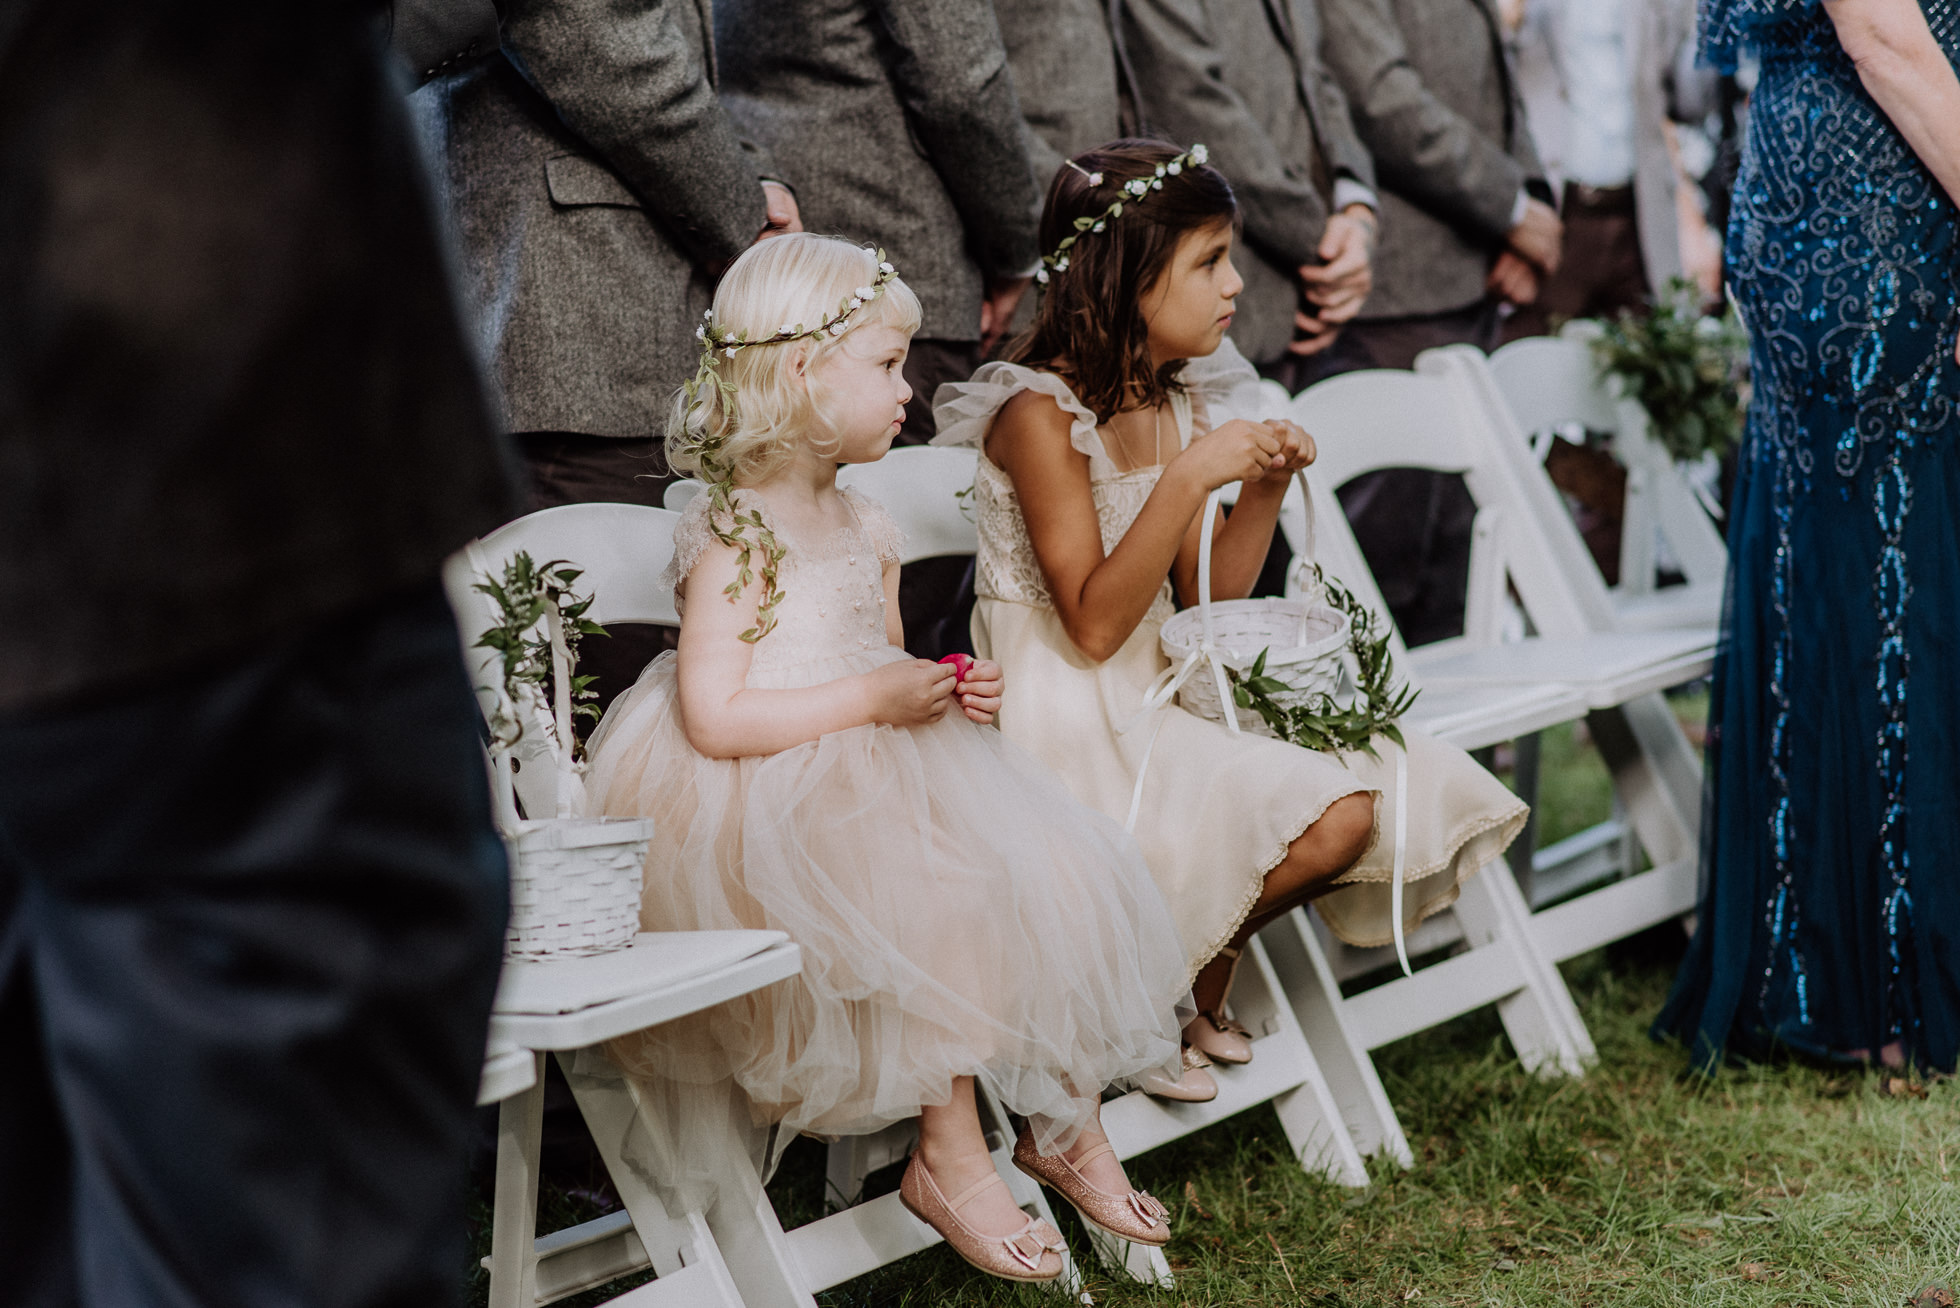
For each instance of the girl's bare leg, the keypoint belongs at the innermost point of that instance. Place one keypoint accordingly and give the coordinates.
(1322, 852)
(955, 1152)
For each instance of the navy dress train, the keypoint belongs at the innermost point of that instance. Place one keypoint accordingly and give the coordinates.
(1830, 912)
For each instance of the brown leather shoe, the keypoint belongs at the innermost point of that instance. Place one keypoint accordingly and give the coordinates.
(1033, 1253)
(1136, 1216)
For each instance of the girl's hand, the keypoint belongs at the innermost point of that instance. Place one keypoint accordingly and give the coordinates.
(979, 690)
(912, 693)
(1296, 448)
(1232, 451)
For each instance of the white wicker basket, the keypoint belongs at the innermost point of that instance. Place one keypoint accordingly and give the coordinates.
(1305, 640)
(575, 885)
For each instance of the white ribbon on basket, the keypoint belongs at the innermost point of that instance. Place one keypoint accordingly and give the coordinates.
(1164, 690)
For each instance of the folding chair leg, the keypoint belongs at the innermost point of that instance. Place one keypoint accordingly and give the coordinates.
(738, 1249)
(514, 1220)
(1655, 773)
(1303, 976)
(1541, 1019)
(849, 1160)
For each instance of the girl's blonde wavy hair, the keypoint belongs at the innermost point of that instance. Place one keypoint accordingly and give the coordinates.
(753, 422)
(782, 308)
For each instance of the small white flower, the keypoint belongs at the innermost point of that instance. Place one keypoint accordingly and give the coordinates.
(1136, 186)
(1199, 154)
(1095, 179)
(707, 313)
(1160, 170)
(784, 330)
(1098, 227)
(1041, 274)
(1157, 184)
(1063, 265)
(856, 304)
(1174, 168)
(886, 268)
(700, 333)
(864, 292)
(730, 351)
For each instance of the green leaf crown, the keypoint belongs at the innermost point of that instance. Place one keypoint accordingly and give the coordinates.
(1134, 191)
(746, 532)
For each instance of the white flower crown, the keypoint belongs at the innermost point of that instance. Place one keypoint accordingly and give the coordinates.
(1133, 191)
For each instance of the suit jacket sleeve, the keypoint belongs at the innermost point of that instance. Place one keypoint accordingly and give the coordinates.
(629, 77)
(1190, 97)
(950, 69)
(1424, 150)
(1334, 124)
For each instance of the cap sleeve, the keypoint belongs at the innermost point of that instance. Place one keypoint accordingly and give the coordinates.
(965, 411)
(693, 535)
(1223, 386)
(878, 525)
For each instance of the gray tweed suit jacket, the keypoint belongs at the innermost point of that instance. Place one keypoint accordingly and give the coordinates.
(1435, 102)
(896, 122)
(1065, 77)
(1245, 77)
(597, 185)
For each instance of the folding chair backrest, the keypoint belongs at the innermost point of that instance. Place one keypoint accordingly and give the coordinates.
(1549, 381)
(622, 550)
(921, 486)
(1383, 418)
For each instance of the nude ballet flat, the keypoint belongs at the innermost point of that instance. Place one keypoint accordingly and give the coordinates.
(1136, 1216)
(1193, 1085)
(1033, 1253)
(1219, 1038)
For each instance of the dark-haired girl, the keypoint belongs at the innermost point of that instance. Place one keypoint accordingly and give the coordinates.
(1097, 455)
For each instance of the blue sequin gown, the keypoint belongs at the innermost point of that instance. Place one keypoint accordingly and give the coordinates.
(1830, 913)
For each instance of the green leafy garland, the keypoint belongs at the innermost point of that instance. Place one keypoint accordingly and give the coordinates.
(1687, 370)
(1320, 723)
(524, 597)
(746, 533)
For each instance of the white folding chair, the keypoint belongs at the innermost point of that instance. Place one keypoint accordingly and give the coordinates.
(572, 1004)
(1548, 382)
(623, 550)
(1656, 772)
(1477, 691)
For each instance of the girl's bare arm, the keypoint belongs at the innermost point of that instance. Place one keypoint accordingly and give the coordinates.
(724, 718)
(1101, 598)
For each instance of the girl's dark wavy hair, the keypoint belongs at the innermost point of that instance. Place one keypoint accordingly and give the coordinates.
(1088, 325)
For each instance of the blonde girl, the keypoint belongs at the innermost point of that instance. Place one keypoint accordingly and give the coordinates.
(961, 919)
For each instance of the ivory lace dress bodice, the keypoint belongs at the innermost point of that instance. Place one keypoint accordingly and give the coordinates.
(1218, 811)
(938, 939)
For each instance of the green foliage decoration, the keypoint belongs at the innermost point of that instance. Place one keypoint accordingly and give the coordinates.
(526, 596)
(1687, 370)
(1321, 723)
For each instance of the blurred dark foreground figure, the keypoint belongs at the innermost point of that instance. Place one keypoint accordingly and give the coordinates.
(250, 896)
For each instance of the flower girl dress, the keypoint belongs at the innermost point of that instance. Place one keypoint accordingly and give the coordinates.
(959, 914)
(1218, 811)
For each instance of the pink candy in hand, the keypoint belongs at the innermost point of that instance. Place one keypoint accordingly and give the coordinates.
(962, 664)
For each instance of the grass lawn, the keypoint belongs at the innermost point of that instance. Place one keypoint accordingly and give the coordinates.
(1632, 1186)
